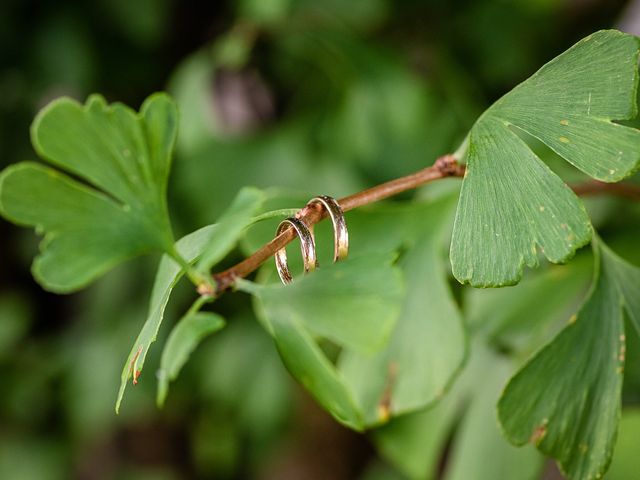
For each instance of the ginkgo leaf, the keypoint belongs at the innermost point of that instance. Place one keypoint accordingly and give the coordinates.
(566, 400)
(427, 346)
(463, 425)
(306, 361)
(169, 273)
(627, 278)
(512, 206)
(120, 211)
(354, 302)
(183, 339)
(230, 226)
(212, 240)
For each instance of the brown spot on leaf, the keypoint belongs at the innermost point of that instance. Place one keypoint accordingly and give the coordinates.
(384, 406)
(539, 433)
(135, 373)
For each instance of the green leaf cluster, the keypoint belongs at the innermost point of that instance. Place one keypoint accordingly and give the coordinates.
(380, 339)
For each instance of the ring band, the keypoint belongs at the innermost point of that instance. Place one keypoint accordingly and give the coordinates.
(340, 233)
(307, 246)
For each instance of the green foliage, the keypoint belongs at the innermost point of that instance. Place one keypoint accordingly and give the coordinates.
(414, 442)
(168, 275)
(119, 213)
(379, 340)
(428, 344)
(512, 204)
(184, 338)
(624, 464)
(566, 400)
(230, 227)
(355, 303)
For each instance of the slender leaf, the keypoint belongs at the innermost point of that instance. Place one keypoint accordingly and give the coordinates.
(230, 226)
(169, 272)
(182, 341)
(414, 442)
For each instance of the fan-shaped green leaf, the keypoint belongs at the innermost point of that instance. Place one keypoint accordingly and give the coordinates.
(183, 339)
(427, 346)
(566, 400)
(511, 205)
(120, 212)
(354, 303)
(309, 365)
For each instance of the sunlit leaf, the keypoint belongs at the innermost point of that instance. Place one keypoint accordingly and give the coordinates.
(512, 206)
(183, 339)
(120, 211)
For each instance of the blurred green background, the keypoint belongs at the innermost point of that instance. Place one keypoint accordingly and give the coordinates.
(328, 96)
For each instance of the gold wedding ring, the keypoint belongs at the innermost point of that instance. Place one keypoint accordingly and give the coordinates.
(307, 246)
(340, 233)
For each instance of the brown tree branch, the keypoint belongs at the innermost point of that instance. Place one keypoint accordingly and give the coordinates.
(445, 166)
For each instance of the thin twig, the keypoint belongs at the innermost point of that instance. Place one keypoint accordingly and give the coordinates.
(445, 166)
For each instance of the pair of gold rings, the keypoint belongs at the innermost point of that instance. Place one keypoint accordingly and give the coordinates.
(307, 240)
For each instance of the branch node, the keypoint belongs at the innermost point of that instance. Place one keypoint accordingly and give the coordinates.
(449, 166)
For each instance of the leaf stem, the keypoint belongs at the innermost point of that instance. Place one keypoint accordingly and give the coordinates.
(283, 212)
(197, 305)
(194, 276)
